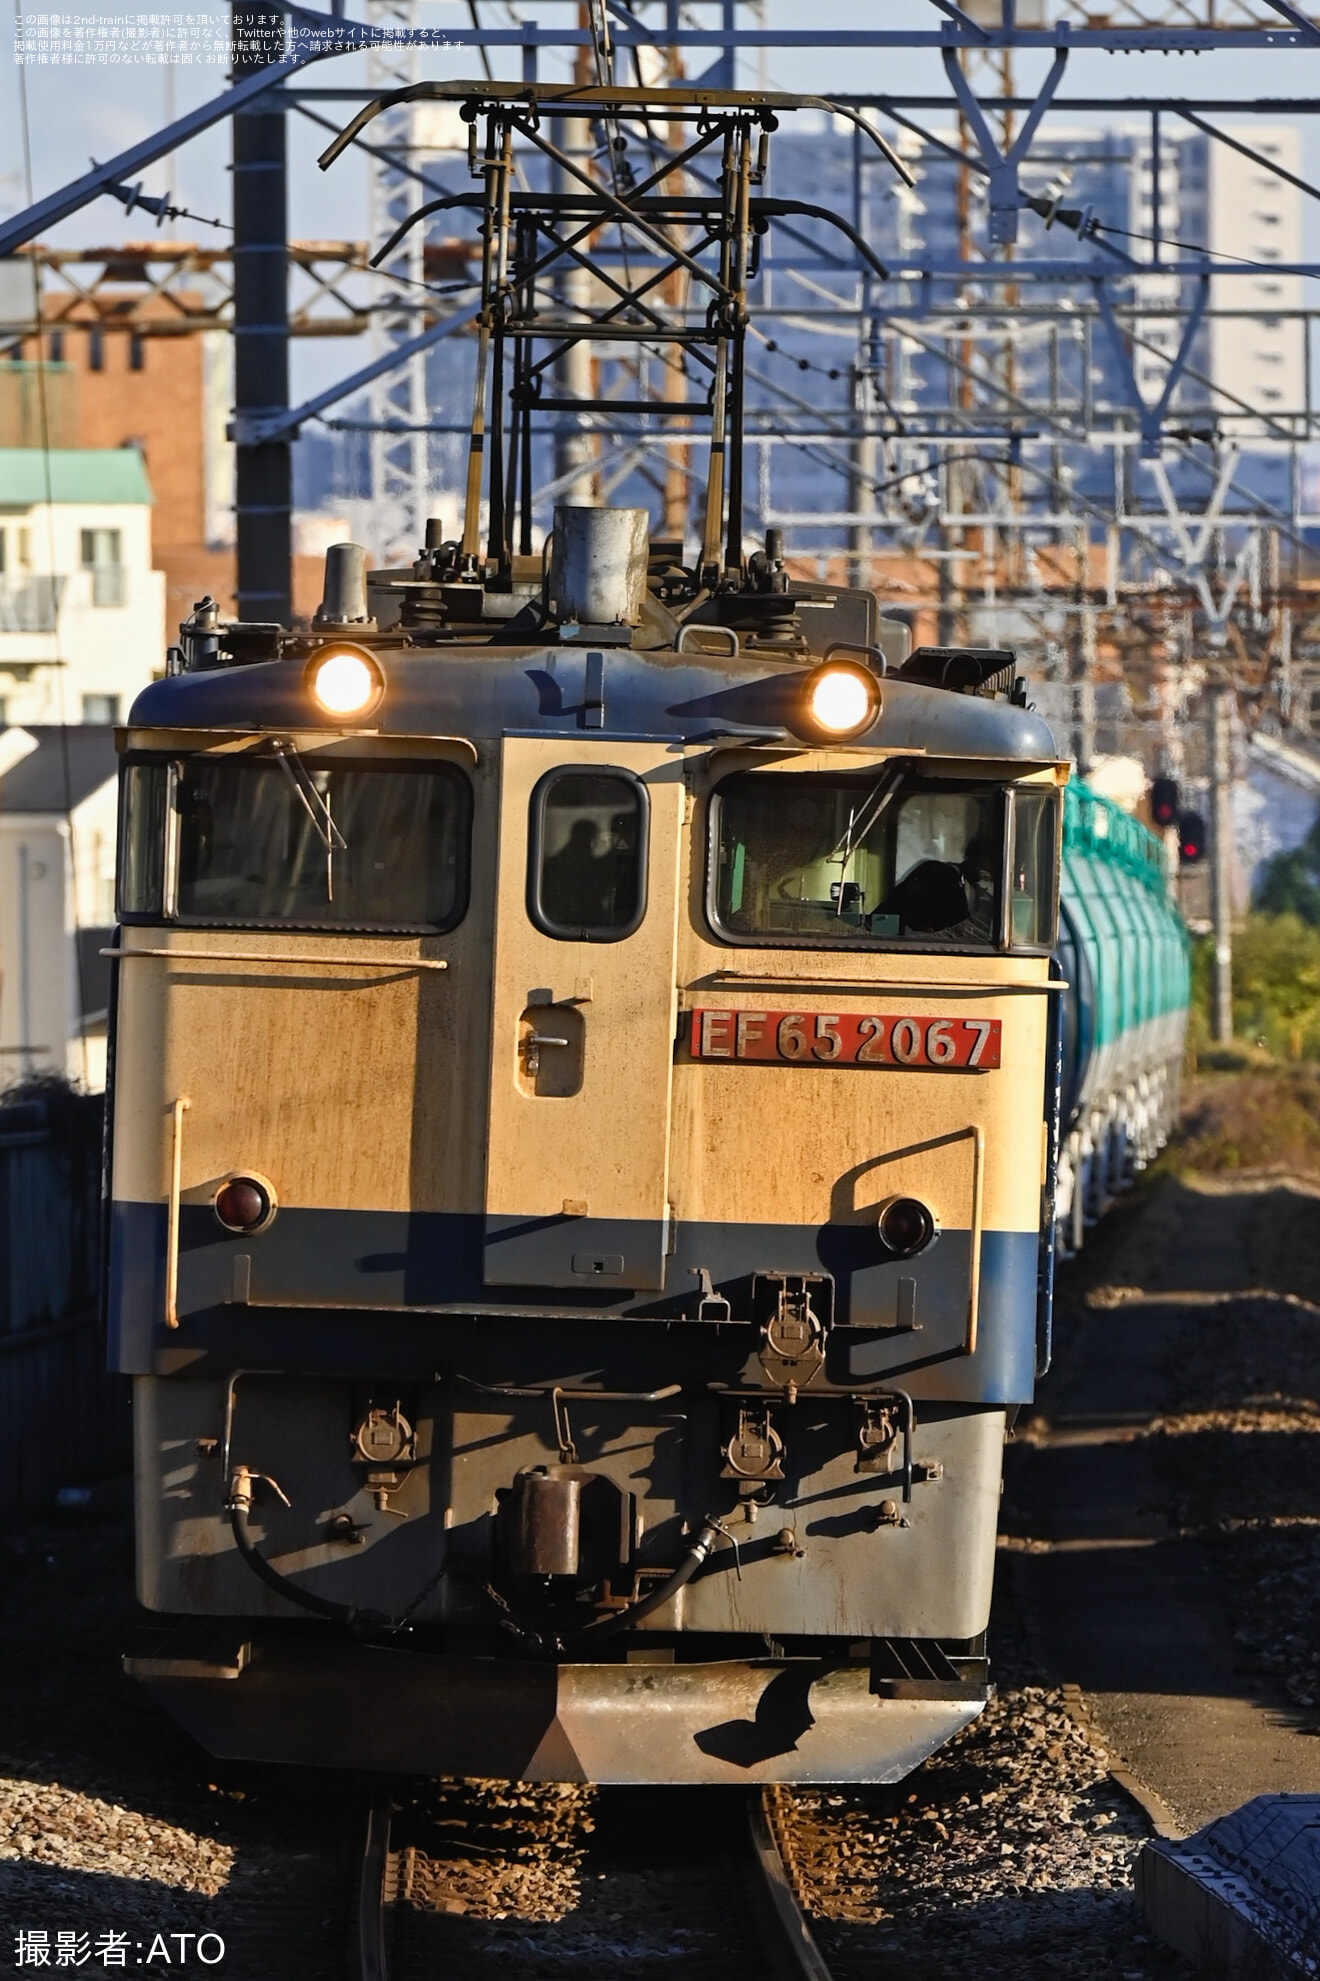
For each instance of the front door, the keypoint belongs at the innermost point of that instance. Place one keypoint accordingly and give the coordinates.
(582, 1036)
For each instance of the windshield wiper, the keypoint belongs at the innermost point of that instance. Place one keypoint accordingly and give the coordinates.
(860, 823)
(315, 806)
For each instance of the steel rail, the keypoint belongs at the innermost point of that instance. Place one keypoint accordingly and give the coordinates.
(775, 1894)
(791, 1949)
(372, 1964)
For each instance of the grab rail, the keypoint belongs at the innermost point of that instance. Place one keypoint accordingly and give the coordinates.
(289, 962)
(178, 1110)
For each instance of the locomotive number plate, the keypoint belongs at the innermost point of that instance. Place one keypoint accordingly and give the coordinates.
(822, 1038)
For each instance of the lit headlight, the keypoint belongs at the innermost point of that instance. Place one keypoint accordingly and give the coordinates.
(345, 681)
(841, 699)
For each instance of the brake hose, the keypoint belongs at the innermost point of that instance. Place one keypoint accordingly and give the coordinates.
(240, 1506)
(696, 1553)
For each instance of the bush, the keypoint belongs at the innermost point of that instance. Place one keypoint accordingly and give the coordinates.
(1276, 983)
(1289, 883)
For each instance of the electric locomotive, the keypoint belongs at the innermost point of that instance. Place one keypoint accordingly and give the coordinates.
(584, 1113)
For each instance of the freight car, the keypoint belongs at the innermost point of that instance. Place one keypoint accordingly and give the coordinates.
(1123, 954)
(584, 1103)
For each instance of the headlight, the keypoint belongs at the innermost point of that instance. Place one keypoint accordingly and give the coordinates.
(840, 699)
(906, 1226)
(244, 1204)
(345, 681)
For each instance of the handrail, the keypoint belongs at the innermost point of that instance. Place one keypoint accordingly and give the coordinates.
(978, 1195)
(178, 1110)
(698, 626)
(894, 988)
(298, 962)
(859, 646)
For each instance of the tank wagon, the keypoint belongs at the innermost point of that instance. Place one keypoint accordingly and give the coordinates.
(1123, 955)
(583, 1114)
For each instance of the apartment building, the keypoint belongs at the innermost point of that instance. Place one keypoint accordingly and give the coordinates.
(82, 612)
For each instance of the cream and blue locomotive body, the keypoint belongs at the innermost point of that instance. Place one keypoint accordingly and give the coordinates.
(581, 1135)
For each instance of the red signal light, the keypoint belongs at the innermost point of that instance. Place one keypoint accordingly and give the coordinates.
(1191, 838)
(1164, 802)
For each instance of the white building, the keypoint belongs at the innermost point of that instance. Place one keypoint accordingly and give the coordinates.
(1251, 221)
(58, 804)
(82, 613)
(1241, 208)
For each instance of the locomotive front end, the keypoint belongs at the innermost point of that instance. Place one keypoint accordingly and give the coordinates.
(577, 1197)
(584, 1109)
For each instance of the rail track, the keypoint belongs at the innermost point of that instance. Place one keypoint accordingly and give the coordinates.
(404, 1928)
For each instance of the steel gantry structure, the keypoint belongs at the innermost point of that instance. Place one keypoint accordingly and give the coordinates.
(1026, 436)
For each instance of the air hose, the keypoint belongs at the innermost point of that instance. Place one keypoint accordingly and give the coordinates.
(695, 1554)
(240, 1506)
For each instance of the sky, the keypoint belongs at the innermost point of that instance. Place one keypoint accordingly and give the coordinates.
(74, 113)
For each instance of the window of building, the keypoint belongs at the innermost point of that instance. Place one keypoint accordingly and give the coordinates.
(260, 842)
(586, 879)
(137, 351)
(95, 348)
(56, 345)
(100, 708)
(100, 547)
(101, 553)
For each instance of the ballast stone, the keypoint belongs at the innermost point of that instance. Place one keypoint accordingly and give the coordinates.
(1245, 1886)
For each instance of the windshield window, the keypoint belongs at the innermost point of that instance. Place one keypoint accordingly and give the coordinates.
(305, 845)
(858, 858)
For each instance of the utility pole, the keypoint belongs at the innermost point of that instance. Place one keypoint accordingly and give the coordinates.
(576, 445)
(861, 479)
(575, 440)
(263, 472)
(1221, 858)
(397, 401)
(1084, 666)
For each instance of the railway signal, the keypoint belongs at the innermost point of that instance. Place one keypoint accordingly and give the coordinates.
(1163, 802)
(1191, 838)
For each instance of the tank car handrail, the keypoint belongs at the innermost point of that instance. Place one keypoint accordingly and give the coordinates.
(257, 956)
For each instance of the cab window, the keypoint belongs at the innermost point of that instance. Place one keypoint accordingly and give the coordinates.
(586, 876)
(858, 859)
(290, 843)
(1034, 901)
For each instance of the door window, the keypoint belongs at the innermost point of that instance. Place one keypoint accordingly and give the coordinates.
(587, 862)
